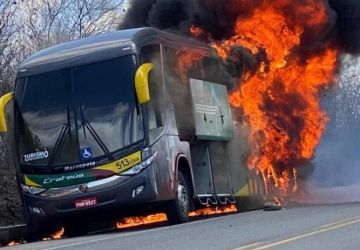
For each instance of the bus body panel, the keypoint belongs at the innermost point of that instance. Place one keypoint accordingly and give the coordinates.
(115, 198)
(222, 172)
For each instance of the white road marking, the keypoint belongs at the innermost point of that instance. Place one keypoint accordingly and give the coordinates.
(249, 246)
(340, 221)
(351, 221)
(133, 233)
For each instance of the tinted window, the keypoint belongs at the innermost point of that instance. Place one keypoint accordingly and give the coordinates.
(155, 108)
(87, 110)
(106, 97)
(44, 103)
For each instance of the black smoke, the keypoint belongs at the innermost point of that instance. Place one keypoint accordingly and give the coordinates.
(179, 15)
(217, 18)
(214, 17)
(348, 24)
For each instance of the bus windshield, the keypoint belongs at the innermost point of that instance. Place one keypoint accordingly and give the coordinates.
(78, 114)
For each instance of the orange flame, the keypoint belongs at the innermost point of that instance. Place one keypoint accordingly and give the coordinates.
(185, 62)
(196, 31)
(280, 102)
(13, 243)
(141, 220)
(213, 211)
(57, 235)
(161, 217)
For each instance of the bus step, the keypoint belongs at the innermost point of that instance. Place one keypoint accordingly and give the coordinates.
(206, 199)
(224, 199)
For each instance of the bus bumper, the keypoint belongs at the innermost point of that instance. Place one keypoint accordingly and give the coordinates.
(108, 197)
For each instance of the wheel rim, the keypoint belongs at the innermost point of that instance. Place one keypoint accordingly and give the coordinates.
(183, 198)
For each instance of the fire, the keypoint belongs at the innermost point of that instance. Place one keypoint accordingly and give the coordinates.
(280, 101)
(57, 235)
(213, 211)
(13, 243)
(141, 220)
(185, 62)
(161, 217)
(196, 31)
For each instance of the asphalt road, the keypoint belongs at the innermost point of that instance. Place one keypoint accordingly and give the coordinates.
(310, 227)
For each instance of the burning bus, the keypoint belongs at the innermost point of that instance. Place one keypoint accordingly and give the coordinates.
(120, 121)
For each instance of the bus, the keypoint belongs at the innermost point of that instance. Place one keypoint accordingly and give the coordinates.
(128, 120)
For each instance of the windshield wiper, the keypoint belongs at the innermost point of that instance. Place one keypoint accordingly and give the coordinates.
(20, 120)
(65, 130)
(100, 142)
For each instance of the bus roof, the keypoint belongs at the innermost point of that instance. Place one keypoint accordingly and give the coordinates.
(101, 47)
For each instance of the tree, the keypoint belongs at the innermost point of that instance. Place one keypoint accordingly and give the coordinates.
(31, 25)
(8, 31)
(49, 22)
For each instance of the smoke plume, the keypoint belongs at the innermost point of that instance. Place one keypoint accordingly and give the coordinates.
(218, 17)
(347, 25)
(337, 159)
(179, 15)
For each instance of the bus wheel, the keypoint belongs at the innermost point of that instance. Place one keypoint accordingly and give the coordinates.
(178, 209)
(39, 231)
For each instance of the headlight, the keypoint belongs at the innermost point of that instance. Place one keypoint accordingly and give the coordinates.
(146, 153)
(32, 190)
(141, 166)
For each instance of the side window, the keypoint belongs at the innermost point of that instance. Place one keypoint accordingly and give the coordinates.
(177, 66)
(183, 64)
(155, 108)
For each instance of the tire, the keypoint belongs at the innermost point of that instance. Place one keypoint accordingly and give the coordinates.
(35, 229)
(39, 231)
(77, 228)
(33, 233)
(178, 210)
(74, 231)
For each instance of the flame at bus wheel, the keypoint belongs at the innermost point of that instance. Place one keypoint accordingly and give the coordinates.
(56, 235)
(135, 221)
(280, 101)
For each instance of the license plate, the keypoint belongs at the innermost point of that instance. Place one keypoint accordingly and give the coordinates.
(88, 202)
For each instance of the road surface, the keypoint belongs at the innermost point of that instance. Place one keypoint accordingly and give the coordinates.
(308, 227)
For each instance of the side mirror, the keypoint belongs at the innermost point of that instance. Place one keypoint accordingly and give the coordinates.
(4, 100)
(142, 83)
